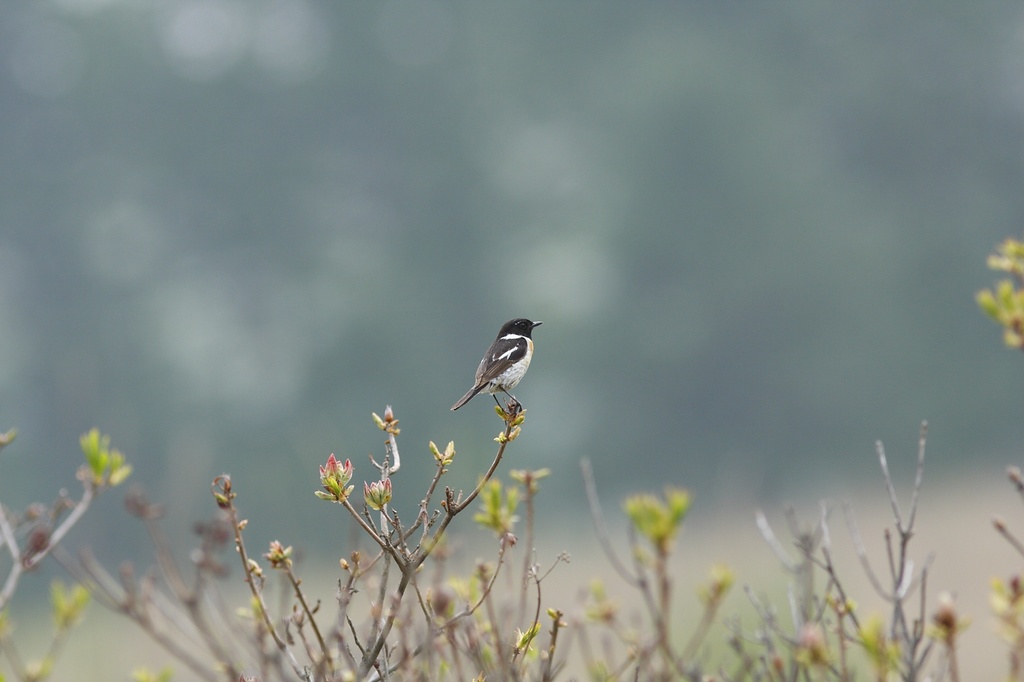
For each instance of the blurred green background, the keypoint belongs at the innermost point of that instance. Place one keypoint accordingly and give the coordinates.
(231, 230)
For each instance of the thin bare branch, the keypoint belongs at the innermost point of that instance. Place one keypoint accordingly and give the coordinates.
(890, 488)
(603, 537)
(862, 555)
(922, 440)
(16, 567)
(773, 541)
(1000, 525)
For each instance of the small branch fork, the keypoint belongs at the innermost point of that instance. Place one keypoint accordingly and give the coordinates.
(41, 539)
(37, 533)
(653, 577)
(901, 579)
(1017, 479)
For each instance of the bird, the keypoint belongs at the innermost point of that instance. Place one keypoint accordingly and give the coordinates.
(505, 362)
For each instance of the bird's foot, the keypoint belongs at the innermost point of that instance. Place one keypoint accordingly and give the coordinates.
(513, 407)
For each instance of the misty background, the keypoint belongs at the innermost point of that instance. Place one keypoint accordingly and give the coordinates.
(229, 231)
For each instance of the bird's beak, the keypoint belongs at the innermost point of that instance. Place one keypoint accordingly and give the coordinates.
(537, 324)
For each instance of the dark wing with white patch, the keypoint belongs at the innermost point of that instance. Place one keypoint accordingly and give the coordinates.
(502, 355)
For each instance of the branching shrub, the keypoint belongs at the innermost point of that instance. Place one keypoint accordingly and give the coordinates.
(413, 627)
(29, 537)
(401, 612)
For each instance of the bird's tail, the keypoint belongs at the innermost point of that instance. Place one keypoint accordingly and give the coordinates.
(466, 398)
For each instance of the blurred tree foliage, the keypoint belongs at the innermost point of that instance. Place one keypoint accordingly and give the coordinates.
(753, 232)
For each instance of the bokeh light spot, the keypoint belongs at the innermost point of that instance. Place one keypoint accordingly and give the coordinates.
(289, 40)
(203, 40)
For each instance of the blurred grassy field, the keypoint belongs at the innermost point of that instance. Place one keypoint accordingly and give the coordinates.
(954, 522)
